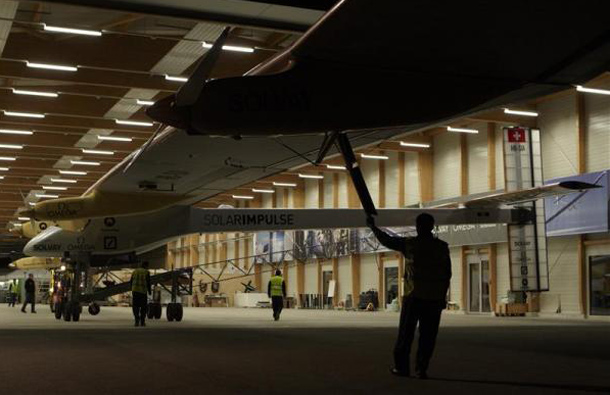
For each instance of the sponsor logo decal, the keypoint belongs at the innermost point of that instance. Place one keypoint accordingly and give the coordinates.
(110, 242)
(47, 247)
(63, 210)
(248, 219)
(109, 221)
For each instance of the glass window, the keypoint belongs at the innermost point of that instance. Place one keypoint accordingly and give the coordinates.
(600, 285)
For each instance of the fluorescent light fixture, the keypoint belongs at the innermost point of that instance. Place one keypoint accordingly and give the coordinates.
(243, 197)
(34, 93)
(19, 226)
(73, 172)
(31, 204)
(7, 158)
(233, 48)
(53, 188)
(97, 152)
(114, 138)
(11, 146)
(57, 29)
(44, 195)
(1, 177)
(284, 184)
(132, 123)
(263, 190)
(50, 66)
(581, 88)
(522, 113)
(175, 78)
(19, 132)
(145, 102)
(23, 114)
(84, 163)
(416, 145)
(314, 176)
(380, 157)
(335, 167)
(461, 130)
(23, 218)
(4, 169)
(63, 181)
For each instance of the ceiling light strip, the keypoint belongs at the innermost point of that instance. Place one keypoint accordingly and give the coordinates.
(68, 30)
(18, 132)
(263, 190)
(73, 172)
(461, 130)
(46, 66)
(23, 114)
(522, 113)
(34, 93)
(284, 184)
(84, 163)
(415, 145)
(97, 152)
(132, 123)
(379, 157)
(311, 176)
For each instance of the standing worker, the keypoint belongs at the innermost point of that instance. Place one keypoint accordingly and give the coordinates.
(277, 292)
(140, 286)
(30, 293)
(431, 272)
(12, 293)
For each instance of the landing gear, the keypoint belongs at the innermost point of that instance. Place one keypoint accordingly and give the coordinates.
(154, 311)
(174, 312)
(58, 309)
(71, 311)
(94, 308)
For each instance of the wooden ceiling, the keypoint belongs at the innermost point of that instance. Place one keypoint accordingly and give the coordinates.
(110, 68)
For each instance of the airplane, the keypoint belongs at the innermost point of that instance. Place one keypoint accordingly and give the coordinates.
(332, 83)
(367, 70)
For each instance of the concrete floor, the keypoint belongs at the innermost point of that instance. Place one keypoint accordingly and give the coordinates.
(236, 351)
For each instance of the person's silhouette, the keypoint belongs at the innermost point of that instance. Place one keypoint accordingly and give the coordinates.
(431, 272)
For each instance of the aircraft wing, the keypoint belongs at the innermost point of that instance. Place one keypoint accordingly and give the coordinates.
(528, 195)
(180, 169)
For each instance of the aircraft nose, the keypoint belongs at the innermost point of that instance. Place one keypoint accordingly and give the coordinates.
(29, 248)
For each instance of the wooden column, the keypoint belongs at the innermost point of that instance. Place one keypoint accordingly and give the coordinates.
(335, 190)
(582, 168)
(426, 175)
(319, 262)
(299, 194)
(300, 281)
(491, 156)
(464, 265)
(171, 255)
(401, 179)
(355, 266)
(336, 278)
(286, 195)
(463, 164)
(194, 249)
(321, 193)
(401, 274)
(493, 276)
(582, 132)
(582, 276)
(380, 283)
(258, 278)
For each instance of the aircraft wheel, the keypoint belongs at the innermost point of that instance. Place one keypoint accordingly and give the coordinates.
(94, 309)
(178, 312)
(76, 310)
(170, 312)
(158, 311)
(58, 310)
(67, 311)
(150, 311)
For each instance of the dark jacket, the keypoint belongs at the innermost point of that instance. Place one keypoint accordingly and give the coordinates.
(431, 263)
(30, 286)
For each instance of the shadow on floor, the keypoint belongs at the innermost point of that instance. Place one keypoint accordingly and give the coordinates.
(572, 387)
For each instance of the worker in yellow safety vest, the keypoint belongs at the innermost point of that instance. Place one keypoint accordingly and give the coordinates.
(140, 286)
(12, 293)
(277, 292)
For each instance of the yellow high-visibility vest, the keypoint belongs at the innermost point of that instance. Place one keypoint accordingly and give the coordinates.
(276, 286)
(138, 281)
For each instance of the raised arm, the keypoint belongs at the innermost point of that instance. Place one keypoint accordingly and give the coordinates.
(396, 243)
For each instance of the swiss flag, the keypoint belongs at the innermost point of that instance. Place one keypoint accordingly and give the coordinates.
(516, 135)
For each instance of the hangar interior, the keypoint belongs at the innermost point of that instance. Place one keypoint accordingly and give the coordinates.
(425, 168)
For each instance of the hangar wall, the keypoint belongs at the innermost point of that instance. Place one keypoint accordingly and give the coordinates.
(575, 140)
